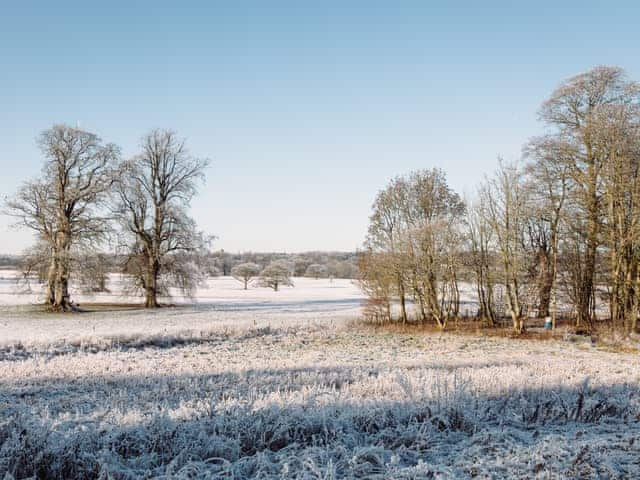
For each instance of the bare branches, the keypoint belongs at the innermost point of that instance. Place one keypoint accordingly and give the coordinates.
(152, 198)
(244, 272)
(503, 201)
(63, 207)
(411, 250)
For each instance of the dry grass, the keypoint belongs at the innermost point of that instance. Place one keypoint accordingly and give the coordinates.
(535, 330)
(603, 338)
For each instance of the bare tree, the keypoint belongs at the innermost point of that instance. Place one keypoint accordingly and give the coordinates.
(62, 207)
(548, 183)
(152, 201)
(575, 110)
(385, 235)
(414, 232)
(432, 216)
(480, 239)
(619, 135)
(275, 275)
(503, 201)
(93, 272)
(34, 263)
(244, 272)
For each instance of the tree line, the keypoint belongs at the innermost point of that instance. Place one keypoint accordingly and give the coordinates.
(304, 264)
(555, 232)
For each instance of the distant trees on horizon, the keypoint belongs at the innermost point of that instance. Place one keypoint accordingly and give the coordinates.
(276, 275)
(245, 272)
(337, 264)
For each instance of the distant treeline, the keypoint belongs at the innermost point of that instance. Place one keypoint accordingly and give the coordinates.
(9, 261)
(316, 264)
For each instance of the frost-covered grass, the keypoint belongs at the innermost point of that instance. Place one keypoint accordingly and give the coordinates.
(267, 391)
(322, 403)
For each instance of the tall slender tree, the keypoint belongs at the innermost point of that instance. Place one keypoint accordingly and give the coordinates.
(548, 185)
(504, 202)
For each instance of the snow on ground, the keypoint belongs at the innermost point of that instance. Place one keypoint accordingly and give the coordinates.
(261, 384)
(223, 291)
(223, 304)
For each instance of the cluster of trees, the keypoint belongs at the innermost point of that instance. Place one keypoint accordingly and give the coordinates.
(87, 197)
(276, 274)
(307, 264)
(560, 227)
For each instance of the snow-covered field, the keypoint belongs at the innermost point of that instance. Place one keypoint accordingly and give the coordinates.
(260, 384)
(222, 291)
(223, 304)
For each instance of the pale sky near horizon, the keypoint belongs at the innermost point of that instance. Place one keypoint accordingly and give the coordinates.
(306, 109)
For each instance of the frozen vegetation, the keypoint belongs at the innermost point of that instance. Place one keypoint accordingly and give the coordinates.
(263, 384)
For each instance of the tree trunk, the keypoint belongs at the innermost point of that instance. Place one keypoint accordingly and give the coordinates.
(62, 302)
(61, 299)
(554, 276)
(485, 294)
(516, 308)
(403, 305)
(423, 311)
(151, 285)
(51, 282)
(456, 294)
(586, 291)
(545, 284)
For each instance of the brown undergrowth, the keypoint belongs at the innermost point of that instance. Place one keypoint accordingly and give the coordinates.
(600, 335)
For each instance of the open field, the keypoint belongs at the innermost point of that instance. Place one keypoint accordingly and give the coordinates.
(261, 384)
(223, 304)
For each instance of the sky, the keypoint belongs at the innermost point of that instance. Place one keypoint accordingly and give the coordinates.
(306, 109)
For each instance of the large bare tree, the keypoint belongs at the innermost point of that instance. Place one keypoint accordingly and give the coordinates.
(619, 132)
(153, 196)
(386, 235)
(578, 111)
(62, 207)
(433, 216)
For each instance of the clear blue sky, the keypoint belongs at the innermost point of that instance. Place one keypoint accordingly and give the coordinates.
(305, 108)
